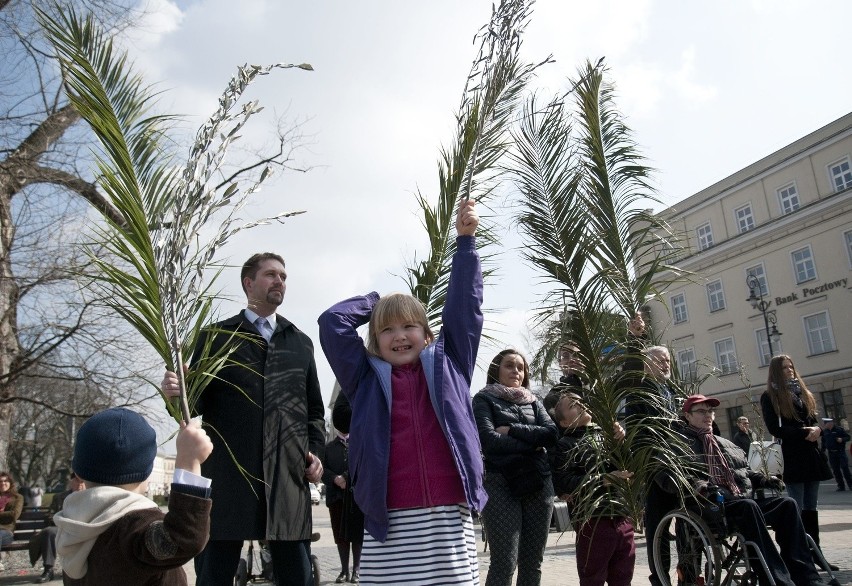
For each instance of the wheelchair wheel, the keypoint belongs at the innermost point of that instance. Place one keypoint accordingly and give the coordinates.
(685, 552)
(241, 579)
(316, 568)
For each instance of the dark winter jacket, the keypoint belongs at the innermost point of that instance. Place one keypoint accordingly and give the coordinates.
(366, 380)
(742, 440)
(579, 465)
(567, 384)
(801, 457)
(336, 464)
(266, 413)
(745, 477)
(830, 437)
(531, 432)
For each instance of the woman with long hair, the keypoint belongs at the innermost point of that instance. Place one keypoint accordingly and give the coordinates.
(11, 504)
(515, 432)
(790, 414)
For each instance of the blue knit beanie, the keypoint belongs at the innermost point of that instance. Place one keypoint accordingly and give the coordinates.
(114, 447)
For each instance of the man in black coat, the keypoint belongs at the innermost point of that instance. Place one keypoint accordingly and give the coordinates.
(834, 440)
(743, 436)
(267, 417)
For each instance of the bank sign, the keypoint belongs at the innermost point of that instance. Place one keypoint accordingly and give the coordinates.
(811, 291)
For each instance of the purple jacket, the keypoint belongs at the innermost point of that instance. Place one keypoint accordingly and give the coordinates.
(448, 364)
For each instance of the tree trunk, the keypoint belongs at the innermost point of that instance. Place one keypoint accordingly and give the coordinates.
(9, 347)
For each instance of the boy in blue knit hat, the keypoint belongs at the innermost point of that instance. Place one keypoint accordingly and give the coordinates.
(111, 533)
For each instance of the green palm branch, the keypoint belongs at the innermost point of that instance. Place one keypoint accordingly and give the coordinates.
(581, 178)
(469, 168)
(161, 265)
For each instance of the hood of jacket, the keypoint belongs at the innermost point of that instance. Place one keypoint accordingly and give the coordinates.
(84, 516)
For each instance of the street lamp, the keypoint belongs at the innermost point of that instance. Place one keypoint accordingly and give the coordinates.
(757, 301)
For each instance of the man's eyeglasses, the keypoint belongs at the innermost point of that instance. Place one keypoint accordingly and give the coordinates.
(703, 412)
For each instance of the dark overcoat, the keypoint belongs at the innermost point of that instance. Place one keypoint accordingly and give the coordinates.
(263, 413)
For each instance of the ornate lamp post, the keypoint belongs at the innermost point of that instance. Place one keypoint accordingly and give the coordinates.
(757, 301)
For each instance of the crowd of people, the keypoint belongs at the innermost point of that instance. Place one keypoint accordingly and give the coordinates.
(416, 458)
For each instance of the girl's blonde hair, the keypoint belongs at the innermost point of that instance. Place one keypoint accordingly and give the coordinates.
(779, 393)
(392, 308)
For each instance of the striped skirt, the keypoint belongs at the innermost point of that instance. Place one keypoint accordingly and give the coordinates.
(429, 546)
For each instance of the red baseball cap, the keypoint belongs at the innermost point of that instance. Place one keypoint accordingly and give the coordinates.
(695, 399)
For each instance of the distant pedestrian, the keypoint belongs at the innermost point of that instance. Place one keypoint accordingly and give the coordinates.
(43, 543)
(834, 439)
(36, 493)
(743, 436)
(347, 520)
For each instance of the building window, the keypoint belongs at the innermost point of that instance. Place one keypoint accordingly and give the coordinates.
(788, 197)
(841, 175)
(679, 308)
(832, 403)
(734, 413)
(705, 236)
(726, 355)
(803, 264)
(687, 366)
(848, 239)
(763, 347)
(818, 333)
(715, 295)
(759, 272)
(744, 218)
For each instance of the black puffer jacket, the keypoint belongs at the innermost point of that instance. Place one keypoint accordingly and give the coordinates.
(745, 477)
(531, 432)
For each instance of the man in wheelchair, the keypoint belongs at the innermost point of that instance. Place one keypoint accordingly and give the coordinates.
(722, 466)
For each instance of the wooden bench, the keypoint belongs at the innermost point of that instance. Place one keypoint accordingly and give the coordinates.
(31, 521)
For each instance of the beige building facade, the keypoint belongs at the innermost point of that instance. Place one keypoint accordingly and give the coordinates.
(786, 220)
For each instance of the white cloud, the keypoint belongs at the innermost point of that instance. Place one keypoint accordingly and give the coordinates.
(158, 18)
(693, 92)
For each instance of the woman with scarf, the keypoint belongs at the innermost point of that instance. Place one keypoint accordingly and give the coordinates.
(789, 412)
(11, 505)
(515, 432)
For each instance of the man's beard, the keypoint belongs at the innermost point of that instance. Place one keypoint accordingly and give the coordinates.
(275, 297)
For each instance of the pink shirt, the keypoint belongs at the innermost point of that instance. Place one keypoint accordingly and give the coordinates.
(421, 469)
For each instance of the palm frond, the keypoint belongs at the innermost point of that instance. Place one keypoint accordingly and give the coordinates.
(469, 168)
(581, 179)
(161, 264)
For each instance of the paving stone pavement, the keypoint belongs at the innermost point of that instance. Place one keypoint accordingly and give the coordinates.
(559, 567)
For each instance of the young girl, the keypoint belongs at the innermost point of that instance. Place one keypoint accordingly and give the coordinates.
(415, 461)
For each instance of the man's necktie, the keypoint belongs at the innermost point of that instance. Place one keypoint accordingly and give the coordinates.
(262, 325)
